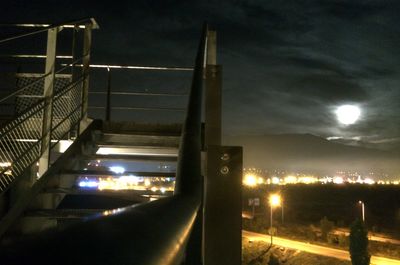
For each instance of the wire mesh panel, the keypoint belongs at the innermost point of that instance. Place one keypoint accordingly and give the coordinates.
(30, 88)
(47, 105)
(20, 144)
(66, 110)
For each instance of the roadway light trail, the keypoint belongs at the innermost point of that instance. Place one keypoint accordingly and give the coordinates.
(315, 249)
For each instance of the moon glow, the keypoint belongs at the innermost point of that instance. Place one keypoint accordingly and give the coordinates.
(348, 114)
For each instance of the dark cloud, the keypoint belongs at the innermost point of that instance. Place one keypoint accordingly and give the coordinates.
(287, 64)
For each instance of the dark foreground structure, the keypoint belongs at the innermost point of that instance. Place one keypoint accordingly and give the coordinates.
(199, 223)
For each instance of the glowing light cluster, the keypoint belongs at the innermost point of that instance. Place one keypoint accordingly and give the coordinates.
(338, 180)
(308, 180)
(250, 180)
(254, 177)
(122, 183)
(88, 184)
(113, 211)
(290, 180)
(128, 183)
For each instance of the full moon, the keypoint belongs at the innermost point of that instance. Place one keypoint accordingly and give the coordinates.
(348, 114)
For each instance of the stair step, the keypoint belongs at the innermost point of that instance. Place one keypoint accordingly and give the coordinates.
(127, 140)
(158, 158)
(148, 151)
(113, 174)
(126, 194)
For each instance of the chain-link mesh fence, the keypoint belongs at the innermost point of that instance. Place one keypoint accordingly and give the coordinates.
(26, 134)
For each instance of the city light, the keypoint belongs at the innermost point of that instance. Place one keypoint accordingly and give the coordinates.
(250, 180)
(338, 180)
(117, 169)
(254, 177)
(88, 184)
(290, 180)
(127, 183)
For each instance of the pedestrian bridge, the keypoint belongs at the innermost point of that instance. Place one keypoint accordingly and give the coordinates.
(100, 165)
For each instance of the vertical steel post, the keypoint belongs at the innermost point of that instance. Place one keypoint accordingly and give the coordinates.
(108, 103)
(48, 95)
(223, 206)
(222, 203)
(213, 93)
(363, 212)
(211, 47)
(73, 130)
(270, 223)
(87, 43)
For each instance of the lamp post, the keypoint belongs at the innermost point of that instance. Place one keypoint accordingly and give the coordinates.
(362, 210)
(274, 200)
(282, 211)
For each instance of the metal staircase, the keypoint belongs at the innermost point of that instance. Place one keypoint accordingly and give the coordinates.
(62, 187)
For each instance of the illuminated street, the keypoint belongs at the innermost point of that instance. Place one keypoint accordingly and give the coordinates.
(315, 249)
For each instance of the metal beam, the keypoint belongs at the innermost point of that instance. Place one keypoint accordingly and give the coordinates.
(48, 92)
(87, 43)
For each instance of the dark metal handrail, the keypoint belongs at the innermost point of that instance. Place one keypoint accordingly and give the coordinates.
(45, 28)
(153, 233)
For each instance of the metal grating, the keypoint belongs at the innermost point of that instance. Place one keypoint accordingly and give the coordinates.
(20, 144)
(21, 139)
(32, 85)
(66, 110)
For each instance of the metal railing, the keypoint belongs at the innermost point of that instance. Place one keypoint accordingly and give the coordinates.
(118, 100)
(151, 233)
(48, 105)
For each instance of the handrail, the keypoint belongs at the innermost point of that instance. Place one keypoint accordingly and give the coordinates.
(138, 67)
(152, 233)
(188, 175)
(124, 93)
(72, 24)
(115, 68)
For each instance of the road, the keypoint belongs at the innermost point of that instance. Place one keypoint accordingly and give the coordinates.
(315, 249)
(372, 237)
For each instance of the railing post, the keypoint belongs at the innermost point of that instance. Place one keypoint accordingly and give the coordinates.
(87, 42)
(73, 130)
(108, 103)
(48, 93)
(222, 193)
(213, 93)
(223, 206)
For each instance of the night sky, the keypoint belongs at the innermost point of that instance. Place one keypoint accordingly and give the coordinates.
(287, 64)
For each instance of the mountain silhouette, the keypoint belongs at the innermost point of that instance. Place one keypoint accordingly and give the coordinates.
(306, 152)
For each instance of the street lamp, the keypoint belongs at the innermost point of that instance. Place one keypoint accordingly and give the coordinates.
(274, 201)
(362, 210)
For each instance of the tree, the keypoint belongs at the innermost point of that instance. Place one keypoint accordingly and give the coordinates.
(359, 244)
(326, 227)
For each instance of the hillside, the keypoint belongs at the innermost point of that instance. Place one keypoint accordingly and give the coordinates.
(311, 153)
